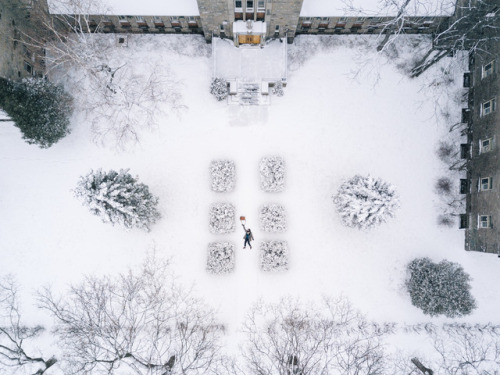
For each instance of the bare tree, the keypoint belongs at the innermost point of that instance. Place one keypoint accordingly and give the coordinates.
(15, 336)
(456, 349)
(467, 351)
(472, 25)
(475, 24)
(289, 338)
(118, 98)
(141, 320)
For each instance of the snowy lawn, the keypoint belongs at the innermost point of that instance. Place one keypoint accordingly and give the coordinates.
(327, 127)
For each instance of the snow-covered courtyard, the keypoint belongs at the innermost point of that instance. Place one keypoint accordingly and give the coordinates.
(328, 127)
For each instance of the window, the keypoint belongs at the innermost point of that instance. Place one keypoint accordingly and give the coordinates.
(484, 221)
(465, 115)
(488, 69)
(141, 22)
(488, 107)
(237, 4)
(123, 21)
(466, 81)
(464, 221)
(341, 23)
(464, 186)
(323, 23)
(485, 145)
(28, 67)
(174, 21)
(485, 183)
(261, 4)
(464, 150)
(192, 23)
(306, 24)
(249, 4)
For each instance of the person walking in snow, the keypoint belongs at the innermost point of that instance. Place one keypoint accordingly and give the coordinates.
(247, 237)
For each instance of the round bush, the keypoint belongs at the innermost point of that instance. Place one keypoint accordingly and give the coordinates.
(39, 108)
(365, 202)
(439, 288)
(218, 88)
(118, 198)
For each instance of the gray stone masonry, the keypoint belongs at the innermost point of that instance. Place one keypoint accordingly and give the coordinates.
(285, 14)
(217, 17)
(480, 202)
(17, 59)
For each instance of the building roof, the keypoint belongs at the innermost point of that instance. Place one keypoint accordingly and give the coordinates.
(375, 8)
(130, 7)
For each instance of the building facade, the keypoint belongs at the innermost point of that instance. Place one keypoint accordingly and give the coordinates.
(19, 60)
(482, 218)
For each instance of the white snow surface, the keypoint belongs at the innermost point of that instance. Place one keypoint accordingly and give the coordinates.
(327, 127)
(249, 63)
(330, 8)
(133, 7)
(256, 27)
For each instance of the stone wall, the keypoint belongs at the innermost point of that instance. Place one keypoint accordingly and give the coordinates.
(18, 59)
(216, 17)
(367, 25)
(481, 164)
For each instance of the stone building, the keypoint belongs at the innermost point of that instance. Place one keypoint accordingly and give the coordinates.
(17, 59)
(482, 186)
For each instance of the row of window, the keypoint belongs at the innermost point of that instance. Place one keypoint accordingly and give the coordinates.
(238, 5)
(156, 20)
(483, 221)
(358, 23)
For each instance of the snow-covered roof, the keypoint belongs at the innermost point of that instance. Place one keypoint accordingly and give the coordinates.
(329, 8)
(257, 27)
(131, 7)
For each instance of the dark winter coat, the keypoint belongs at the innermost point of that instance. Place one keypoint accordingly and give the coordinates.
(248, 236)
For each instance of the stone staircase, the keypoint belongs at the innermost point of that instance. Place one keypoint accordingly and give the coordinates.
(249, 93)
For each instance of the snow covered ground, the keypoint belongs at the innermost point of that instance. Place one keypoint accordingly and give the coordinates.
(328, 127)
(249, 63)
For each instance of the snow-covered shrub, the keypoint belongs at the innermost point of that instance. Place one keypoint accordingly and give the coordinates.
(446, 220)
(272, 218)
(274, 256)
(223, 174)
(222, 218)
(272, 174)
(443, 186)
(39, 108)
(365, 202)
(439, 288)
(218, 88)
(220, 257)
(278, 88)
(118, 198)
